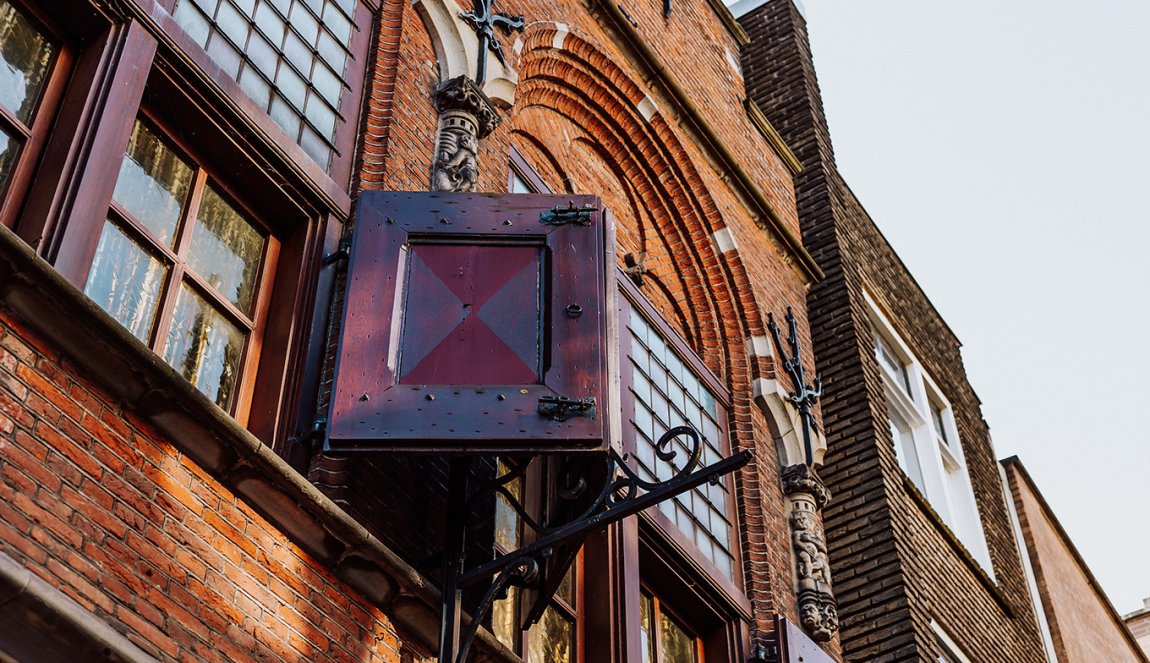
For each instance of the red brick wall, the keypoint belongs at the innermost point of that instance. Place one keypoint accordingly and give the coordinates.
(96, 504)
(1083, 624)
(576, 120)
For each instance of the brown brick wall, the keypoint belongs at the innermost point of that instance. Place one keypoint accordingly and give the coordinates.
(576, 120)
(1139, 626)
(1083, 624)
(98, 505)
(897, 567)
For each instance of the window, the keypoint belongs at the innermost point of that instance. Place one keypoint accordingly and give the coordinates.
(32, 68)
(665, 388)
(182, 266)
(290, 56)
(555, 637)
(949, 650)
(925, 437)
(664, 639)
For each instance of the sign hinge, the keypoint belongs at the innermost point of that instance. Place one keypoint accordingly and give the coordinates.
(561, 408)
(558, 216)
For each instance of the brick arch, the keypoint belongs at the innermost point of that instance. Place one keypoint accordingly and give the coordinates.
(568, 84)
(582, 84)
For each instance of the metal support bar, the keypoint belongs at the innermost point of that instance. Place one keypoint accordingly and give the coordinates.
(455, 552)
(624, 494)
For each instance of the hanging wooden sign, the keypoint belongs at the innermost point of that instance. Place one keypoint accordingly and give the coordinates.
(474, 323)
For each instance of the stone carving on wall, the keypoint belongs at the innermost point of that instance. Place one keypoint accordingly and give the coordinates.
(466, 115)
(807, 495)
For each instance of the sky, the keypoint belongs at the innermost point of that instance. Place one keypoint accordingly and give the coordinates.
(1004, 150)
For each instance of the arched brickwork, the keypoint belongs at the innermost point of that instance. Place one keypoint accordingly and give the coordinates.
(587, 126)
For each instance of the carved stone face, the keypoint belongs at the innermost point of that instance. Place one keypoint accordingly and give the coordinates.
(802, 520)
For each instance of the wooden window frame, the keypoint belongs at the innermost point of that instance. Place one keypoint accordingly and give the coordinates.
(119, 67)
(658, 607)
(35, 136)
(253, 323)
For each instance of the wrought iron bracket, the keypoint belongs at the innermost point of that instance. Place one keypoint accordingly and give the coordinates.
(340, 254)
(558, 216)
(804, 396)
(561, 408)
(624, 494)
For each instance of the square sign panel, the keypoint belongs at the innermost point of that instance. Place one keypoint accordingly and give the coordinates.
(474, 323)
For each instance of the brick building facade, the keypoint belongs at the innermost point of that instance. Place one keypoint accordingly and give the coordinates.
(1079, 620)
(927, 567)
(182, 180)
(178, 176)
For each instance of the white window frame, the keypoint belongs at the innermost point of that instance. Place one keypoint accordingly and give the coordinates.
(951, 652)
(942, 475)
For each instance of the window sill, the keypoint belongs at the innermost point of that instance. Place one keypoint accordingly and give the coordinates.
(51, 306)
(957, 545)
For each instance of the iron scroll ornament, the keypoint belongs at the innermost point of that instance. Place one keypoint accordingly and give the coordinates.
(625, 493)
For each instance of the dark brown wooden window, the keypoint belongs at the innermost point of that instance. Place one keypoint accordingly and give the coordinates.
(555, 638)
(33, 67)
(663, 637)
(295, 58)
(184, 267)
(667, 386)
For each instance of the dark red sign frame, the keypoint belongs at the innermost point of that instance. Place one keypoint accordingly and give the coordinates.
(373, 409)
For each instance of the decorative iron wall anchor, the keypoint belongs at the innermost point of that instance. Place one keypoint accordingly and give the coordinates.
(818, 612)
(804, 395)
(622, 494)
(484, 22)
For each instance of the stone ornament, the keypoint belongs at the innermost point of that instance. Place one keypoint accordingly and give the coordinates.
(466, 115)
(818, 611)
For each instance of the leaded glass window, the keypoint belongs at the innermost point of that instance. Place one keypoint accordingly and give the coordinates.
(662, 638)
(290, 56)
(667, 392)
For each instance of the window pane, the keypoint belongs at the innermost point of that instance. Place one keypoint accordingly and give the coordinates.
(906, 451)
(9, 148)
(153, 184)
(647, 628)
(566, 589)
(678, 645)
(226, 250)
(552, 639)
(503, 618)
(125, 281)
(204, 347)
(939, 426)
(25, 58)
(506, 518)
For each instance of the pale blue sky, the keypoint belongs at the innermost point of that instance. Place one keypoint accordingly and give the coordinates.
(1004, 150)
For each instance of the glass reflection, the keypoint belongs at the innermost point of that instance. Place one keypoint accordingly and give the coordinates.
(678, 645)
(9, 147)
(647, 627)
(125, 281)
(204, 347)
(25, 58)
(552, 639)
(153, 184)
(226, 250)
(506, 518)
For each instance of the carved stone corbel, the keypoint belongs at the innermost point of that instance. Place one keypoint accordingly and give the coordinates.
(807, 495)
(466, 116)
